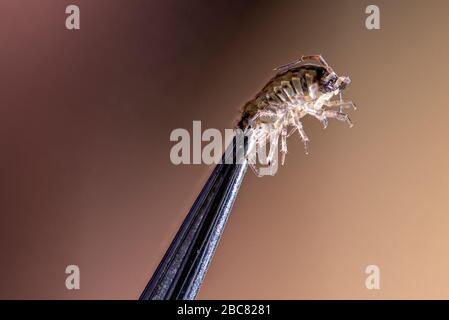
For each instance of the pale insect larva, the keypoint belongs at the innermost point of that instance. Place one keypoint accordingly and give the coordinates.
(303, 87)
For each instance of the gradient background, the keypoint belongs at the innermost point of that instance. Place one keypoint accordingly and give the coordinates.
(86, 177)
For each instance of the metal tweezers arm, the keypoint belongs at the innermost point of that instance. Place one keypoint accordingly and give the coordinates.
(182, 269)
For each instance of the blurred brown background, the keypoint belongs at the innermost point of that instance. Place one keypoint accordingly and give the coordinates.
(86, 177)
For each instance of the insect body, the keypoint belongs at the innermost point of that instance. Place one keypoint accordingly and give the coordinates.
(303, 87)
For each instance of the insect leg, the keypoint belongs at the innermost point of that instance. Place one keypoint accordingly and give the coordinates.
(273, 146)
(292, 131)
(324, 121)
(273, 135)
(251, 155)
(319, 115)
(283, 144)
(341, 104)
(262, 116)
(302, 133)
(273, 166)
(259, 136)
(341, 100)
(255, 169)
(338, 115)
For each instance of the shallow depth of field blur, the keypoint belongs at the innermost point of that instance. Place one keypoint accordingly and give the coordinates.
(86, 177)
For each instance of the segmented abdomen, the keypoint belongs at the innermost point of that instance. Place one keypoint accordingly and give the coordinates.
(292, 86)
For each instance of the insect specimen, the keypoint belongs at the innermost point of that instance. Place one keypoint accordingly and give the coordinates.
(305, 86)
